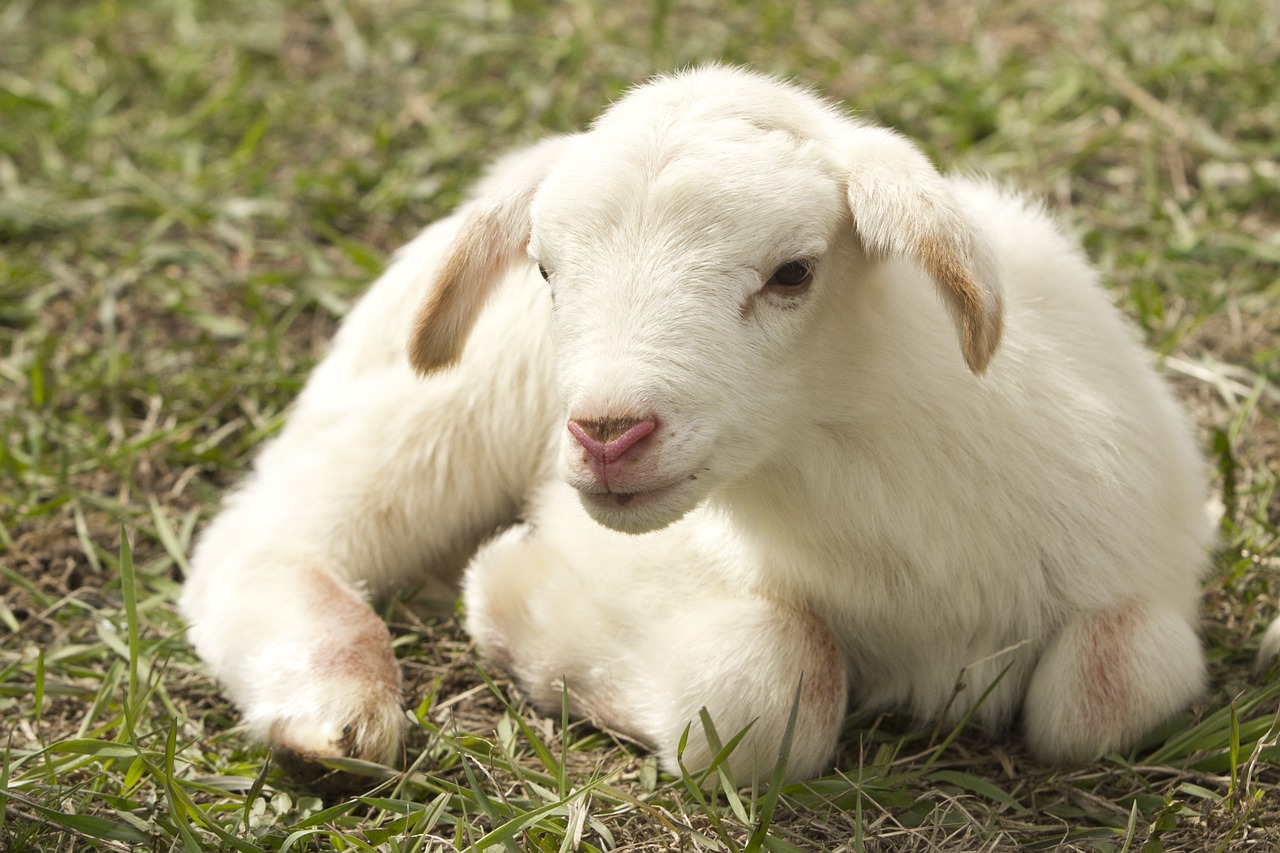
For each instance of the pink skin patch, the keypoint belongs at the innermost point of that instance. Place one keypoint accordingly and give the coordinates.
(1107, 691)
(363, 653)
(354, 651)
(824, 691)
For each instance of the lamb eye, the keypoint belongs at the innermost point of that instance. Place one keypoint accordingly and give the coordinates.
(792, 275)
(546, 276)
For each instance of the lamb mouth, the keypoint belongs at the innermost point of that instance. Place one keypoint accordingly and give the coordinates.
(608, 497)
(614, 499)
(640, 511)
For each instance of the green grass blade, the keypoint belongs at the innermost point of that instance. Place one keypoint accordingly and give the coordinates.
(770, 803)
(129, 592)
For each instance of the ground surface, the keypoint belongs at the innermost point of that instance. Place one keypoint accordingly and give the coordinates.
(191, 195)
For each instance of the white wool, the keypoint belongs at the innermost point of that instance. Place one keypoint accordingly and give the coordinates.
(943, 459)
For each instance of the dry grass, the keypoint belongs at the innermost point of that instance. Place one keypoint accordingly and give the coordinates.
(190, 198)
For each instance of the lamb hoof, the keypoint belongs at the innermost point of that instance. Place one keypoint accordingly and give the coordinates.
(306, 750)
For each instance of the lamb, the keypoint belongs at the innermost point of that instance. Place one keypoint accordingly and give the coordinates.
(827, 425)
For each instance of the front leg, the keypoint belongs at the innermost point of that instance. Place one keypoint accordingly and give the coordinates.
(301, 653)
(381, 481)
(1109, 677)
(643, 632)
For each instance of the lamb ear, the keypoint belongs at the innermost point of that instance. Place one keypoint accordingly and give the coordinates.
(492, 237)
(901, 206)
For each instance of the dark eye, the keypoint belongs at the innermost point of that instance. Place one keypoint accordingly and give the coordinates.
(546, 276)
(792, 275)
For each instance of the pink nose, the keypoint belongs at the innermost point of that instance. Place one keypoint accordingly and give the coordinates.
(608, 439)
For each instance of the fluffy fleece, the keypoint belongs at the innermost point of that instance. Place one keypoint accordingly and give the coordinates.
(793, 418)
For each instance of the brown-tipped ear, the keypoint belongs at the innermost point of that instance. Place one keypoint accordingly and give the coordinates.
(483, 250)
(901, 206)
(492, 237)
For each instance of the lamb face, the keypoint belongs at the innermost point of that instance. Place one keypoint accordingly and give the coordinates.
(685, 265)
(692, 240)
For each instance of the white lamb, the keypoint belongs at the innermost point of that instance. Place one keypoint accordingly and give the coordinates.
(831, 425)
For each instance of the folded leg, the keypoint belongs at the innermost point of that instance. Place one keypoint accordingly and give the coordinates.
(380, 481)
(1109, 677)
(642, 632)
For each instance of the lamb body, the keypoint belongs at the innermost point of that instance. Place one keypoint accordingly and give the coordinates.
(936, 457)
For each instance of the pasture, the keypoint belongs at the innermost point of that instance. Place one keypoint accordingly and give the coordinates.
(192, 196)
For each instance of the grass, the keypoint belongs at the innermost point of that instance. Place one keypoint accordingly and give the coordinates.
(191, 196)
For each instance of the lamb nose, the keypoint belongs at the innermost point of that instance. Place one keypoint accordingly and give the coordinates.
(609, 438)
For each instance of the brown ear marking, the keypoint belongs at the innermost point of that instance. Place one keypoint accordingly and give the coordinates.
(459, 289)
(903, 207)
(980, 326)
(493, 235)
